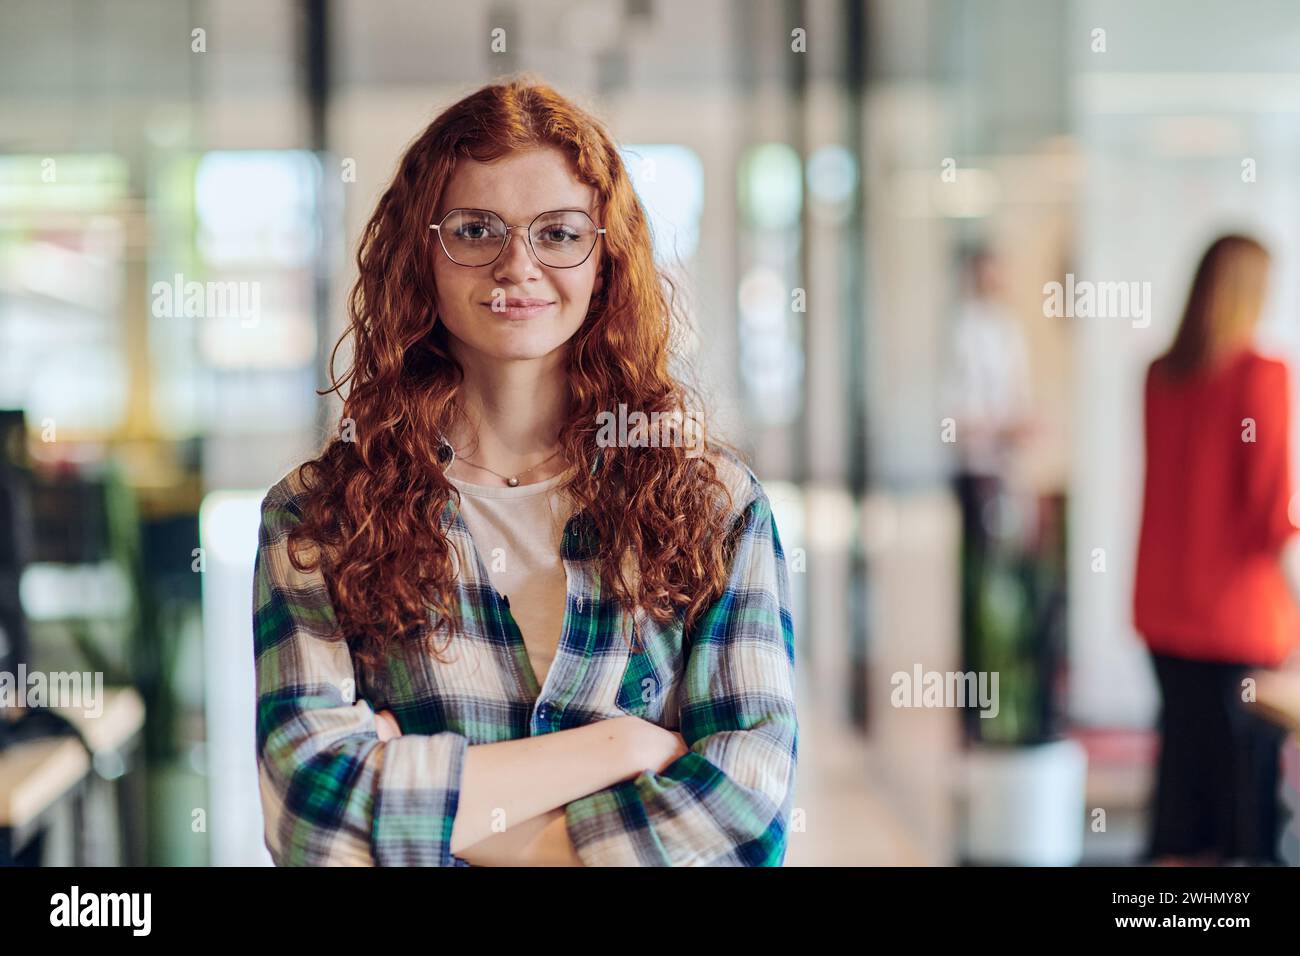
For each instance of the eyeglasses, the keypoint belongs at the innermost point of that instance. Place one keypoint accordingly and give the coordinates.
(559, 239)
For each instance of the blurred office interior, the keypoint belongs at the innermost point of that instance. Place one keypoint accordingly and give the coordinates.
(815, 171)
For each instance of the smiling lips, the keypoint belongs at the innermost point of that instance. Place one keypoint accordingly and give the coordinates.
(520, 308)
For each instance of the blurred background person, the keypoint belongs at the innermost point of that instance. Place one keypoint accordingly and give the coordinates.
(989, 381)
(989, 399)
(1211, 598)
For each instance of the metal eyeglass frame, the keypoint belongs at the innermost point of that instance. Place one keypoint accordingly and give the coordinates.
(528, 236)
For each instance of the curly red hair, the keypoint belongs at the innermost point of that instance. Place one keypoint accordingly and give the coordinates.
(372, 504)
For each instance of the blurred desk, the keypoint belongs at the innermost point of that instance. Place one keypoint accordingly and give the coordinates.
(52, 786)
(41, 784)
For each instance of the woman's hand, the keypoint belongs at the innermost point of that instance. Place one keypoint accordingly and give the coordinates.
(386, 725)
(676, 748)
(653, 747)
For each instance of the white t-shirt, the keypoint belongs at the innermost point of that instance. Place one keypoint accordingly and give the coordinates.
(517, 532)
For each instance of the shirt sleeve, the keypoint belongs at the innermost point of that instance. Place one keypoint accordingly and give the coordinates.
(1267, 481)
(332, 793)
(729, 800)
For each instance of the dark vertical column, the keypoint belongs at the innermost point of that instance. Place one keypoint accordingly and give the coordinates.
(316, 69)
(315, 65)
(855, 349)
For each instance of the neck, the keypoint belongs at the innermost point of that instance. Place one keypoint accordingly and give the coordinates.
(514, 411)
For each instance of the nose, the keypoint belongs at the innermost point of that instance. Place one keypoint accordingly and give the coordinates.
(516, 258)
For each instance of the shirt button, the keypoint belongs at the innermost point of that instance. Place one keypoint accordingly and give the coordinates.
(543, 712)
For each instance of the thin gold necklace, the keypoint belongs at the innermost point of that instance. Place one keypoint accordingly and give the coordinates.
(513, 480)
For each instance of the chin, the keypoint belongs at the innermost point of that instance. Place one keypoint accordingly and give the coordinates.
(519, 354)
(521, 350)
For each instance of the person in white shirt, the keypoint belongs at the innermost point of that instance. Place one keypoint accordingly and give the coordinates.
(988, 386)
(988, 399)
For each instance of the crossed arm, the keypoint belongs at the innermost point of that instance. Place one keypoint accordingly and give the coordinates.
(570, 764)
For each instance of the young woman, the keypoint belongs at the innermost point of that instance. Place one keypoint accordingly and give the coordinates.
(489, 628)
(1211, 598)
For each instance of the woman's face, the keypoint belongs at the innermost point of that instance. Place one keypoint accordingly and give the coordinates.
(516, 187)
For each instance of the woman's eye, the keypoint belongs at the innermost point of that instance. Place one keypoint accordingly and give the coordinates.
(558, 234)
(470, 231)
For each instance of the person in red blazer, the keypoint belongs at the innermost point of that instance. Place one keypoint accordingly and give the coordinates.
(1211, 601)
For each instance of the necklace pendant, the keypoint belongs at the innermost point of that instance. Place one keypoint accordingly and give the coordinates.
(512, 482)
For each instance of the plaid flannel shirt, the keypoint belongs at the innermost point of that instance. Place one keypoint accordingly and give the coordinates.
(334, 794)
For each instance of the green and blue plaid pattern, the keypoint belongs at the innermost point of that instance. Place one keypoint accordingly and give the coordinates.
(334, 794)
